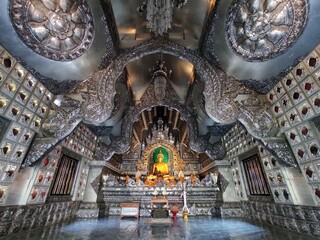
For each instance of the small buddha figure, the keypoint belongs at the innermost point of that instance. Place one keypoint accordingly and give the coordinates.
(181, 175)
(137, 176)
(194, 180)
(160, 166)
(176, 174)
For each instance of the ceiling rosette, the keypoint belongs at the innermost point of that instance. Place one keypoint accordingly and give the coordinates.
(259, 30)
(61, 30)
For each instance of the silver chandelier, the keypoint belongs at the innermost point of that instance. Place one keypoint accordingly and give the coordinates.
(159, 14)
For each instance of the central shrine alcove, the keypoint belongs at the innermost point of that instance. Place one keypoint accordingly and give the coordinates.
(160, 159)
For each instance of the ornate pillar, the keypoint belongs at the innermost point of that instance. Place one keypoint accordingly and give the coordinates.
(92, 205)
(231, 206)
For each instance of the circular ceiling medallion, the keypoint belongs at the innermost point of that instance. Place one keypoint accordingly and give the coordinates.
(61, 30)
(258, 30)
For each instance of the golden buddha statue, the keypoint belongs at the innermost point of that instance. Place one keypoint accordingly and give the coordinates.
(160, 167)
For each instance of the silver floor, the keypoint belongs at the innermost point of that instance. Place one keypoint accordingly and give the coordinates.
(194, 228)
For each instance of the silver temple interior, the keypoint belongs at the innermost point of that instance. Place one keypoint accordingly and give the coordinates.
(198, 117)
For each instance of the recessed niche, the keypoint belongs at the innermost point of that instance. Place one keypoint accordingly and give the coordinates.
(307, 86)
(292, 117)
(15, 131)
(15, 111)
(7, 62)
(300, 153)
(2, 192)
(37, 123)
(279, 89)
(276, 109)
(304, 111)
(316, 102)
(314, 150)
(312, 62)
(3, 103)
(10, 173)
(271, 178)
(273, 161)
(285, 194)
(34, 103)
(22, 95)
(39, 90)
(271, 96)
(26, 117)
(48, 178)
(296, 95)
(11, 87)
(20, 73)
(34, 193)
(289, 82)
(48, 97)
(309, 172)
(299, 72)
(304, 131)
(26, 136)
(6, 149)
(40, 177)
(30, 83)
(285, 102)
(19, 153)
(292, 136)
(46, 162)
(43, 194)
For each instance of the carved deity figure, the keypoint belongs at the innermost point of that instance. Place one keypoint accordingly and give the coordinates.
(137, 176)
(193, 180)
(160, 167)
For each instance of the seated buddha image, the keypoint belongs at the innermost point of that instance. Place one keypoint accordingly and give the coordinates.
(160, 167)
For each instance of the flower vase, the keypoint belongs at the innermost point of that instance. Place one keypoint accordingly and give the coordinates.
(174, 213)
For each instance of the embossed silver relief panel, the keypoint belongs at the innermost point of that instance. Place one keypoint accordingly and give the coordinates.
(60, 30)
(258, 30)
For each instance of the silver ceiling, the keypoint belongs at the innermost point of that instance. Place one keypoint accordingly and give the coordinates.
(201, 25)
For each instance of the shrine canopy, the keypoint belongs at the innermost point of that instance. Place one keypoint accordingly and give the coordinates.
(163, 151)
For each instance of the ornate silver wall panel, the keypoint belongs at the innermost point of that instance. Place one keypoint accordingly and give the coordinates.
(58, 125)
(197, 143)
(258, 75)
(280, 148)
(39, 147)
(220, 91)
(60, 30)
(258, 30)
(303, 219)
(15, 219)
(232, 101)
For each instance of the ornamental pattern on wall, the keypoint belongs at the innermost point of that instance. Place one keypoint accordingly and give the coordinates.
(61, 30)
(258, 30)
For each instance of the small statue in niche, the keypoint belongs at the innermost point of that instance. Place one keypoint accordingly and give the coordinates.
(210, 180)
(193, 180)
(181, 175)
(137, 176)
(129, 181)
(160, 166)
